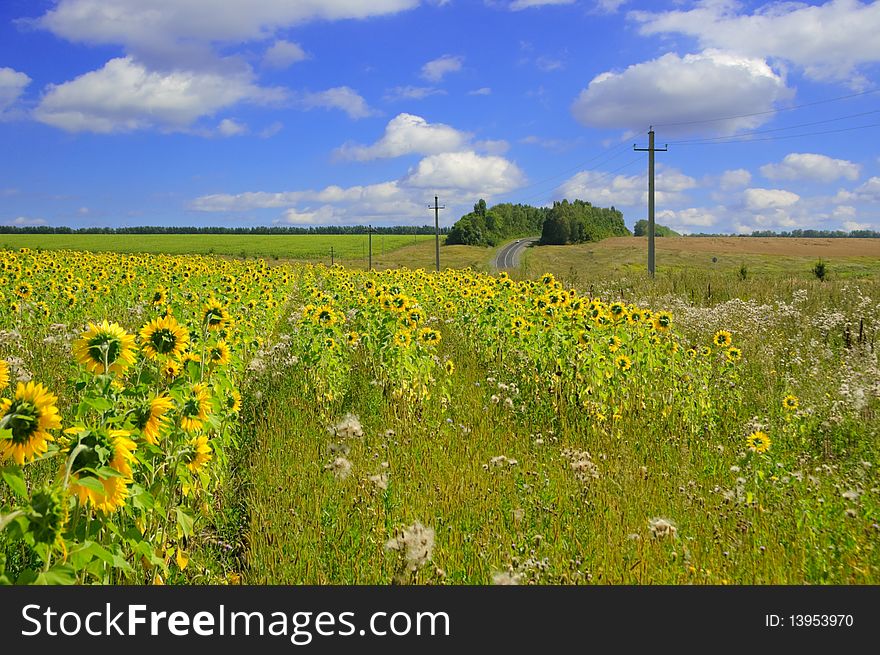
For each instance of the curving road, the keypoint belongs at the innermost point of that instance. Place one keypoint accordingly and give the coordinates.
(508, 256)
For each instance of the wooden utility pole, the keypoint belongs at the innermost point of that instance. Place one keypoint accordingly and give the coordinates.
(437, 209)
(331, 256)
(650, 150)
(370, 248)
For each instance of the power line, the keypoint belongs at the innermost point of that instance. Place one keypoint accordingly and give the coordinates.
(769, 111)
(775, 129)
(780, 137)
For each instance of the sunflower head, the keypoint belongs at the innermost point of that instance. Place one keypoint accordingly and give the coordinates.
(429, 336)
(164, 336)
(722, 338)
(28, 417)
(105, 348)
(199, 453)
(758, 442)
(47, 514)
(214, 315)
(733, 354)
(97, 450)
(4, 373)
(623, 363)
(662, 321)
(194, 411)
(790, 403)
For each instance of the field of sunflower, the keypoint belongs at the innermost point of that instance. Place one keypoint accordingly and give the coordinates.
(189, 420)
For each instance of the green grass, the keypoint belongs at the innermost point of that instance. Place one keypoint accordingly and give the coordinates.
(278, 246)
(739, 520)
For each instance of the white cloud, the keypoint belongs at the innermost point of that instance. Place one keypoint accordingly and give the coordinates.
(482, 91)
(853, 225)
(12, 85)
(683, 220)
(867, 192)
(340, 97)
(466, 171)
(25, 221)
(166, 28)
(609, 6)
(673, 89)
(518, 5)
(283, 54)
(460, 177)
(411, 93)
(830, 41)
(124, 96)
(844, 211)
(271, 130)
(809, 166)
(436, 69)
(735, 179)
(229, 127)
(627, 191)
(762, 199)
(492, 146)
(548, 64)
(407, 134)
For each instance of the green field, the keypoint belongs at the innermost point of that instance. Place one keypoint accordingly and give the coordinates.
(277, 246)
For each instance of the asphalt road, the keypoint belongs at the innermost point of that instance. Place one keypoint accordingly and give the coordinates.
(508, 256)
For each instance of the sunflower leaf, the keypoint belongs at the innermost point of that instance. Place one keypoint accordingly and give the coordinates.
(12, 476)
(91, 483)
(184, 521)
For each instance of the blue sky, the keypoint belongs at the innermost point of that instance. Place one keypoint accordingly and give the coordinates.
(309, 112)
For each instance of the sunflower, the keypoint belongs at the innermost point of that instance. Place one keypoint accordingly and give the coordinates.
(200, 455)
(449, 366)
(325, 316)
(4, 372)
(171, 369)
(214, 316)
(402, 338)
(790, 402)
(233, 401)
(105, 348)
(29, 416)
(23, 290)
(662, 321)
(47, 514)
(758, 442)
(733, 354)
(583, 338)
(99, 449)
(614, 343)
(353, 338)
(195, 408)
(151, 417)
(722, 338)
(429, 336)
(164, 336)
(623, 363)
(219, 353)
(159, 297)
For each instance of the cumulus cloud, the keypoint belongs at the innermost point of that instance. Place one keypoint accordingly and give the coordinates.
(809, 166)
(486, 175)
(12, 85)
(26, 221)
(460, 177)
(124, 96)
(482, 91)
(757, 199)
(282, 54)
(436, 69)
(518, 5)
(673, 89)
(411, 93)
(627, 190)
(685, 220)
(735, 179)
(829, 41)
(229, 127)
(167, 29)
(407, 134)
(340, 97)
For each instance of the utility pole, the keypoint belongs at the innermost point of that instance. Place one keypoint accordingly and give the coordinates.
(650, 150)
(331, 256)
(437, 209)
(370, 240)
